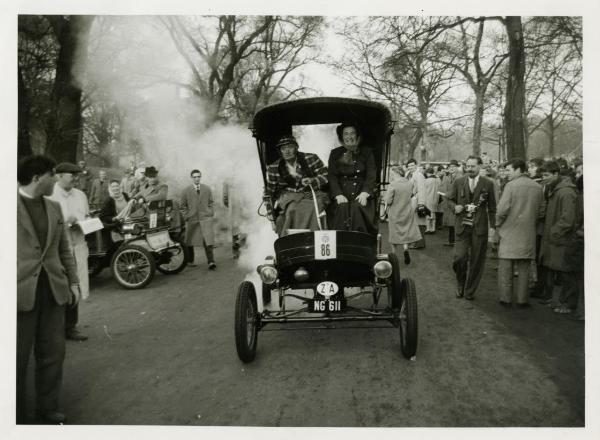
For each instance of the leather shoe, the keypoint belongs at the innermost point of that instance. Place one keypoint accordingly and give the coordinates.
(51, 418)
(470, 297)
(212, 266)
(448, 244)
(459, 293)
(506, 304)
(76, 335)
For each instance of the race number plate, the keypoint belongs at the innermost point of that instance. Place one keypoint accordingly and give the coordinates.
(325, 245)
(323, 302)
(159, 240)
(153, 220)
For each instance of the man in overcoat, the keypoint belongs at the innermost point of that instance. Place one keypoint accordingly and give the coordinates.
(560, 228)
(415, 174)
(197, 208)
(472, 199)
(46, 282)
(99, 190)
(449, 216)
(518, 210)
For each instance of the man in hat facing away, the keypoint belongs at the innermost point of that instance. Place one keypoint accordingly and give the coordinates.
(288, 183)
(74, 205)
(151, 189)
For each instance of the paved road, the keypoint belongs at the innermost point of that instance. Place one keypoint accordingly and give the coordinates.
(166, 355)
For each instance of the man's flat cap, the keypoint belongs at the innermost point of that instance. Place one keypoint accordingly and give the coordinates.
(454, 162)
(67, 167)
(286, 140)
(151, 172)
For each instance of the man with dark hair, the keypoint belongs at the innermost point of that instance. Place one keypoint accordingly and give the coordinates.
(99, 190)
(46, 282)
(197, 207)
(519, 208)
(472, 199)
(560, 228)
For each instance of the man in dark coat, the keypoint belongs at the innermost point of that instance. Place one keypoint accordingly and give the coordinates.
(560, 228)
(46, 282)
(99, 191)
(472, 199)
(197, 208)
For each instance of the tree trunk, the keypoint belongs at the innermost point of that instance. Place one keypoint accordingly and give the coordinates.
(64, 122)
(550, 132)
(23, 143)
(478, 122)
(515, 90)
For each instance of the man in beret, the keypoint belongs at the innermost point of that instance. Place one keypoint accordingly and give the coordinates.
(46, 282)
(74, 207)
(288, 180)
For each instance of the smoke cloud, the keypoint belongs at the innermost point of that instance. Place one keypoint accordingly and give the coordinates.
(134, 66)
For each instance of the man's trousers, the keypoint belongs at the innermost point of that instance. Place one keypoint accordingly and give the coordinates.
(469, 260)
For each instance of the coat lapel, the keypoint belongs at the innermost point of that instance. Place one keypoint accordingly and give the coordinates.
(25, 220)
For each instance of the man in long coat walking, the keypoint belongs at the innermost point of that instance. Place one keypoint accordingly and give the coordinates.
(197, 209)
(449, 217)
(519, 208)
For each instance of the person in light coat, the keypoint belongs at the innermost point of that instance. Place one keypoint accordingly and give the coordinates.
(403, 228)
(415, 174)
(518, 210)
(74, 205)
(449, 215)
(197, 209)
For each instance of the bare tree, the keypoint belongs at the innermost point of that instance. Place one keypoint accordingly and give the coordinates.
(387, 61)
(515, 90)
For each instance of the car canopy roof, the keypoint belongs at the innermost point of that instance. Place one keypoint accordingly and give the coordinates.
(275, 120)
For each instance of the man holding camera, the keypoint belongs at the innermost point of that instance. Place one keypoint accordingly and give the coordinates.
(472, 199)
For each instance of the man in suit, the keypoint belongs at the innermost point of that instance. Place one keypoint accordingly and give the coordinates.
(449, 216)
(472, 199)
(197, 208)
(46, 282)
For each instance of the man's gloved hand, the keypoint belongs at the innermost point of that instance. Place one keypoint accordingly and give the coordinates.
(362, 198)
(341, 199)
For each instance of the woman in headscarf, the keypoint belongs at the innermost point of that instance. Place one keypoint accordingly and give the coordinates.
(403, 228)
(352, 175)
(115, 209)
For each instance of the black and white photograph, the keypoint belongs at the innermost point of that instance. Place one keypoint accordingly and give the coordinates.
(294, 221)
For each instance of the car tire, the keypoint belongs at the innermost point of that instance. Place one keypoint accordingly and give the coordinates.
(395, 286)
(133, 266)
(408, 318)
(246, 322)
(177, 263)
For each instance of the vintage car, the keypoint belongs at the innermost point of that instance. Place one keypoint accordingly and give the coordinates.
(146, 243)
(326, 276)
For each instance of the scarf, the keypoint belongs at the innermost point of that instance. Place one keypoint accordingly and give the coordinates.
(287, 177)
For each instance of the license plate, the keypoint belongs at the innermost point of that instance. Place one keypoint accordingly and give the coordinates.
(327, 305)
(325, 245)
(158, 240)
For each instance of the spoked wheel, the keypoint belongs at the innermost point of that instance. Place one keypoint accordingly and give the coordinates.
(133, 266)
(172, 261)
(395, 293)
(246, 322)
(408, 318)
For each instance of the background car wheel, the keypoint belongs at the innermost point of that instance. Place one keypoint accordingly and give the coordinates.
(95, 266)
(395, 287)
(408, 318)
(175, 260)
(133, 266)
(246, 322)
